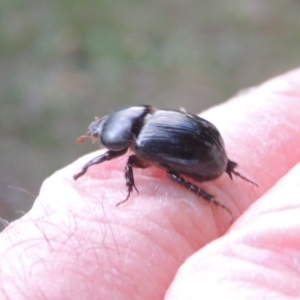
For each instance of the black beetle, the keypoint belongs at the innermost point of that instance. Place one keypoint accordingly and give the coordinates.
(174, 140)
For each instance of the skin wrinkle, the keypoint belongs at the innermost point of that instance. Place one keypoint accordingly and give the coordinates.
(106, 223)
(159, 273)
(204, 238)
(255, 269)
(143, 193)
(50, 248)
(110, 229)
(145, 275)
(41, 292)
(253, 272)
(12, 283)
(172, 222)
(236, 186)
(223, 198)
(69, 234)
(15, 274)
(188, 235)
(147, 234)
(257, 265)
(11, 248)
(66, 232)
(267, 290)
(251, 108)
(203, 203)
(259, 281)
(282, 263)
(276, 192)
(284, 236)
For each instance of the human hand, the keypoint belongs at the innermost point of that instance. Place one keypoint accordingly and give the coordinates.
(76, 244)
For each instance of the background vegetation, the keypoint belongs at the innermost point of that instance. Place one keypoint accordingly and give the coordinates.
(63, 61)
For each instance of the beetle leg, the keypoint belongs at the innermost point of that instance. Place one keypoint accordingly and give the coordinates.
(230, 169)
(196, 190)
(98, 160)
(134, 161)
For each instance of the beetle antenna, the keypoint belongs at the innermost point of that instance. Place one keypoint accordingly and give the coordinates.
(84, 137)
(81, 139)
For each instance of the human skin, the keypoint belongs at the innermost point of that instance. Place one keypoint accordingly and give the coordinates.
(76, 244)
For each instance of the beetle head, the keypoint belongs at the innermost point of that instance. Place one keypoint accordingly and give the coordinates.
(94, 130)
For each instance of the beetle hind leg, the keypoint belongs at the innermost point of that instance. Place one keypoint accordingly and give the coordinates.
(230, 169)
(196, 190)
(134, 161)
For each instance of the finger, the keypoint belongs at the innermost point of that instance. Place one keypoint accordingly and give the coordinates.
(156, 230)
(262, 134)
(258, 259)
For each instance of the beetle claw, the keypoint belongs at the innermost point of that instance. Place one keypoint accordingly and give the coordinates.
(244, 178)
(230, 169)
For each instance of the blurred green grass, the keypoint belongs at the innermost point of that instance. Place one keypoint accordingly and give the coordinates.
(62, 61)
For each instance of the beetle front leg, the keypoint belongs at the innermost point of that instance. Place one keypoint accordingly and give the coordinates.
(196, 190)
(134, 161)
(98, 160)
